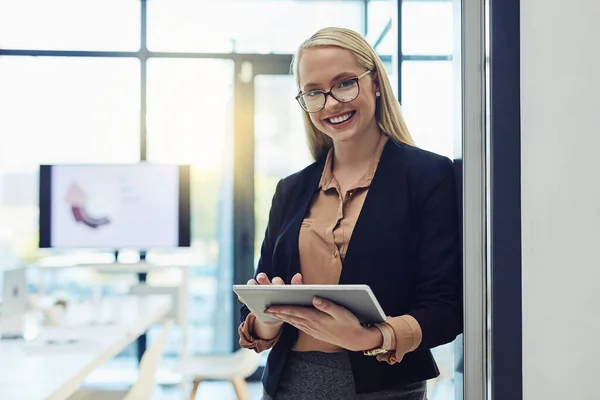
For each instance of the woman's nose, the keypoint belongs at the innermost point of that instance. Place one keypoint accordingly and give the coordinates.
(331, 103)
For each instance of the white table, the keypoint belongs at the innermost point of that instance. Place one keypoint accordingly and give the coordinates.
(182, 289)
(37, 370)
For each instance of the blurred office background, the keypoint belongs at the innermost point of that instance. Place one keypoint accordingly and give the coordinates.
(197, 82)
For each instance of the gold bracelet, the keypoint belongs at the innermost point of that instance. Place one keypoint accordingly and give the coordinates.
(386, 344)
(387, 337)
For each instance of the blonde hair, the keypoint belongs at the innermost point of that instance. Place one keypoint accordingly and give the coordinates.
(387, 113)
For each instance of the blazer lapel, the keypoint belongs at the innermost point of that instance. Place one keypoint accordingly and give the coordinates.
(384, 196)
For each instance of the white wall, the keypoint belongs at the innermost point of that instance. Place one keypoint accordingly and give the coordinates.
(560, 93)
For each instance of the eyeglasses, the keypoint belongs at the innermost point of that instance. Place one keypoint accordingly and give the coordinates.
(344, 92)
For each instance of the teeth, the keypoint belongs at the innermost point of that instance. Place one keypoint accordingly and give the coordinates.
(340, 119)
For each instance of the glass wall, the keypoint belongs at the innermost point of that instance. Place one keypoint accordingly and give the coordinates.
(166, 94)
(78, 99)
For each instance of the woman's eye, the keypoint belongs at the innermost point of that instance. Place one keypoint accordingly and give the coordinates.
(345, 84)
(312, 93)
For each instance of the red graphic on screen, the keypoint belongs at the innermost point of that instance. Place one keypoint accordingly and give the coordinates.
(76, 198)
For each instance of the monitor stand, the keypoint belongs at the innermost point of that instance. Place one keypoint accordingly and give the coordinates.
(142, 257)
(141, 275)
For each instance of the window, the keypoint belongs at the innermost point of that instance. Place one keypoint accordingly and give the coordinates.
(70, 25)
(244, 26)
(427, 97)
(380, 32)
(427, 27)
(59, 110)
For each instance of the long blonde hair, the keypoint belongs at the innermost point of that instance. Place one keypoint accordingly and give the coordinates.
(388, 114)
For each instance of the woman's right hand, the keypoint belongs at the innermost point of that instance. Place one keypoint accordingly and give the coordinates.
(268, 330)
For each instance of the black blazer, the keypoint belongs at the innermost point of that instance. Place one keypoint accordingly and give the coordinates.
(405, 246)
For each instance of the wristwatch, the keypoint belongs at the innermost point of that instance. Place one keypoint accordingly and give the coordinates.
(387, 341)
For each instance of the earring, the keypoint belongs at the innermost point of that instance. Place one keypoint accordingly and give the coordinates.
(377, 94)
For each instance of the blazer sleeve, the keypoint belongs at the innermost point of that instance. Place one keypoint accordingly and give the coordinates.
(438, 285)
(271, 232)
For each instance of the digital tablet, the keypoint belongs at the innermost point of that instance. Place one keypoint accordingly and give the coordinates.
(359, 299)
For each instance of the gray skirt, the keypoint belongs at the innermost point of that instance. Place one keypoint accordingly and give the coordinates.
(314, 375)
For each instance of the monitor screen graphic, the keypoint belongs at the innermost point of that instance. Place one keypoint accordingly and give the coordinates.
(140, 206)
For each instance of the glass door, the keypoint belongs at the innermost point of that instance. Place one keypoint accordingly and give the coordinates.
(269, 145)
(280, 146)
(190, 112)
(427, 96)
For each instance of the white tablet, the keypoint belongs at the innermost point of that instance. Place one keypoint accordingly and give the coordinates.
(359, 299)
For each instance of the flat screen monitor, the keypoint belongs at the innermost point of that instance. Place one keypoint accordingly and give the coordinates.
(106, 206)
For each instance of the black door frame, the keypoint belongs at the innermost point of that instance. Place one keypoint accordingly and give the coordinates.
(246, 70)
(504, 131)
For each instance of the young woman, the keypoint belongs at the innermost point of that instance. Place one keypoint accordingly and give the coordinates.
(372, 209)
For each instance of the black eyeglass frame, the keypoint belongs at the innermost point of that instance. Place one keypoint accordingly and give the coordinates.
(330, 92)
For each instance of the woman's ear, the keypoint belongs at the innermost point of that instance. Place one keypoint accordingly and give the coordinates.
(376, 88)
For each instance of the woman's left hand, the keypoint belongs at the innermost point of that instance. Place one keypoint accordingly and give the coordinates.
(330, 323)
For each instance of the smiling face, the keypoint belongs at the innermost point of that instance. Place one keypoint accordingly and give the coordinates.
(321, 68)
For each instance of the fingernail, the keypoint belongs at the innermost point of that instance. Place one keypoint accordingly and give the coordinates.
(318, 301)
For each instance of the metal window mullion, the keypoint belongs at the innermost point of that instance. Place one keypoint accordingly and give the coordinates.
(472, 56)
(141, 342)
(399, 56)
(143, 56)
(365, 17)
